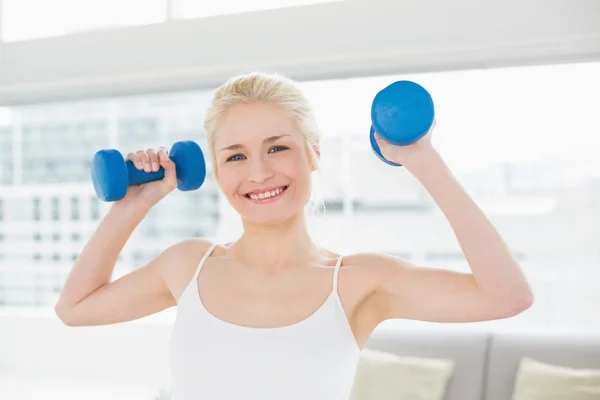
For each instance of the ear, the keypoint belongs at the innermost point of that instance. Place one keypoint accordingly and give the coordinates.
(317, 152)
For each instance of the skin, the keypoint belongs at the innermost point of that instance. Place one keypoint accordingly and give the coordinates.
(274, 275)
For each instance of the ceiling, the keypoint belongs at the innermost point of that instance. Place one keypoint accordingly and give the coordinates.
(320, 41)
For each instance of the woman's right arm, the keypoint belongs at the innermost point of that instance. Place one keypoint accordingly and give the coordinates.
(89, 296)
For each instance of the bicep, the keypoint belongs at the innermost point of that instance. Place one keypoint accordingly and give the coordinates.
(414, 292)
(139, 293)
(135, 295)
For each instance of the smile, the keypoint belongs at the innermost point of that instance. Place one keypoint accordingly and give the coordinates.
(267, 195)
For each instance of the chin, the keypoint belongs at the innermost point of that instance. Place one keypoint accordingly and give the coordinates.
(270, 211)
(270, 220)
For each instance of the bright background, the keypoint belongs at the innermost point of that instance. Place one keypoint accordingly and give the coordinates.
(524, 140)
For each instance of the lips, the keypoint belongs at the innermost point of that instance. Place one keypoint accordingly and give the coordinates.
(266, 194)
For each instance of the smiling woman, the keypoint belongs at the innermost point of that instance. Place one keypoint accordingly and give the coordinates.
(274, 294)
(540, 189)
(264, 138)
(258, 165)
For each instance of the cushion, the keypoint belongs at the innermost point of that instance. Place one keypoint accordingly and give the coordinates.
(386, 376)
(556, 347)
(537, 380)
(466, 347)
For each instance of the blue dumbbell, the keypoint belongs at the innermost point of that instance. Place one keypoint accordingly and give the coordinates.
(401, 113)
(112, 175)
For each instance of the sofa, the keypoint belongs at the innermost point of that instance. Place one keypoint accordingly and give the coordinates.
(41, 355)
(486, 364)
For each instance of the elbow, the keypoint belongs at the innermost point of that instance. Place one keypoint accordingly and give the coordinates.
(516, 302)
(65, 315)
(62, 314)
(521, 305)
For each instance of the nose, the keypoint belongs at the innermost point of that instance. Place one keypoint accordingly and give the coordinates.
(259, 170)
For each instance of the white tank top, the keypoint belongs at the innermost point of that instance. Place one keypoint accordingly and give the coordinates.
(211, 359)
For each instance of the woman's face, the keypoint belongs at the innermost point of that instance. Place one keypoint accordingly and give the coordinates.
(263, 167)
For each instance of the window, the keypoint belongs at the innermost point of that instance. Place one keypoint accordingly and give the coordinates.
(75, 208)
(95, 208)
(34, 19)
(55, 208)
(57, 152)
(36, 208)
(6, 153)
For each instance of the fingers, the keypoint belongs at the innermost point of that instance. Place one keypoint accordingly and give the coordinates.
(153, 160)
(145, 159)
(135, 159)
(149, 160)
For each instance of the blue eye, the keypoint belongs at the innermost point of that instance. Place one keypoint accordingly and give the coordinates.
(235, 157)
(278, 148)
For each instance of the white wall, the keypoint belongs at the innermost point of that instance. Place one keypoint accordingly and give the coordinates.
(37, 346)
(351, 38)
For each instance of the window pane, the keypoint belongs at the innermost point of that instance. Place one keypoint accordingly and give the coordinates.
(376, 185)
(200, 9)
(56, 143)
(6, 155)
(34, 19)
(331, 187)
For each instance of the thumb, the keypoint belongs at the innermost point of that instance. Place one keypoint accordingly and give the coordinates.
(381, 142)
(170, 169)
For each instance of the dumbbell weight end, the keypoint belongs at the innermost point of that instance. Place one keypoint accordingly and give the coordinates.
(401, 113)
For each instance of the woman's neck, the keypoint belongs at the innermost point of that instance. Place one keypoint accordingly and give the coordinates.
(275, 247)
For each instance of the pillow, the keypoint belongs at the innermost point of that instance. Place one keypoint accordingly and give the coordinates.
(536, 381)
(386, 376)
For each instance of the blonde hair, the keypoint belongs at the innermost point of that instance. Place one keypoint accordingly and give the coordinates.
(274, 89)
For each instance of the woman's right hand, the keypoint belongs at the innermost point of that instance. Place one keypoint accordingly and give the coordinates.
(148, 194)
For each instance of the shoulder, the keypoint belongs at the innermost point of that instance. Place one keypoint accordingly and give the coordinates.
(187, 250)
(376, 264)
(180, 261)
(361, 279)
(367, 272)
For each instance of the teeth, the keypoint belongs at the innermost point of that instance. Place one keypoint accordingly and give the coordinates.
(266, 195)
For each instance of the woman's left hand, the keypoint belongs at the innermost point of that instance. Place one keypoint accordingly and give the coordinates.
(406, 155)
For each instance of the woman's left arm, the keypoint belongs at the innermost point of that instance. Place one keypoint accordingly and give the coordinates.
(495, 288)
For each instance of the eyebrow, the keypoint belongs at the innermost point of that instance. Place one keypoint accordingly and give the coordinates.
(237, 146)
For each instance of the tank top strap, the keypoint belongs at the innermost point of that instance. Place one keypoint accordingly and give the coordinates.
(203, 260)
(336, 272)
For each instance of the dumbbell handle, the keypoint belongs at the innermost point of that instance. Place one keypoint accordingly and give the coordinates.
(139, 176)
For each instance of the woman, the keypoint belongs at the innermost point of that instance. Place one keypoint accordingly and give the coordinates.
(273, 315)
